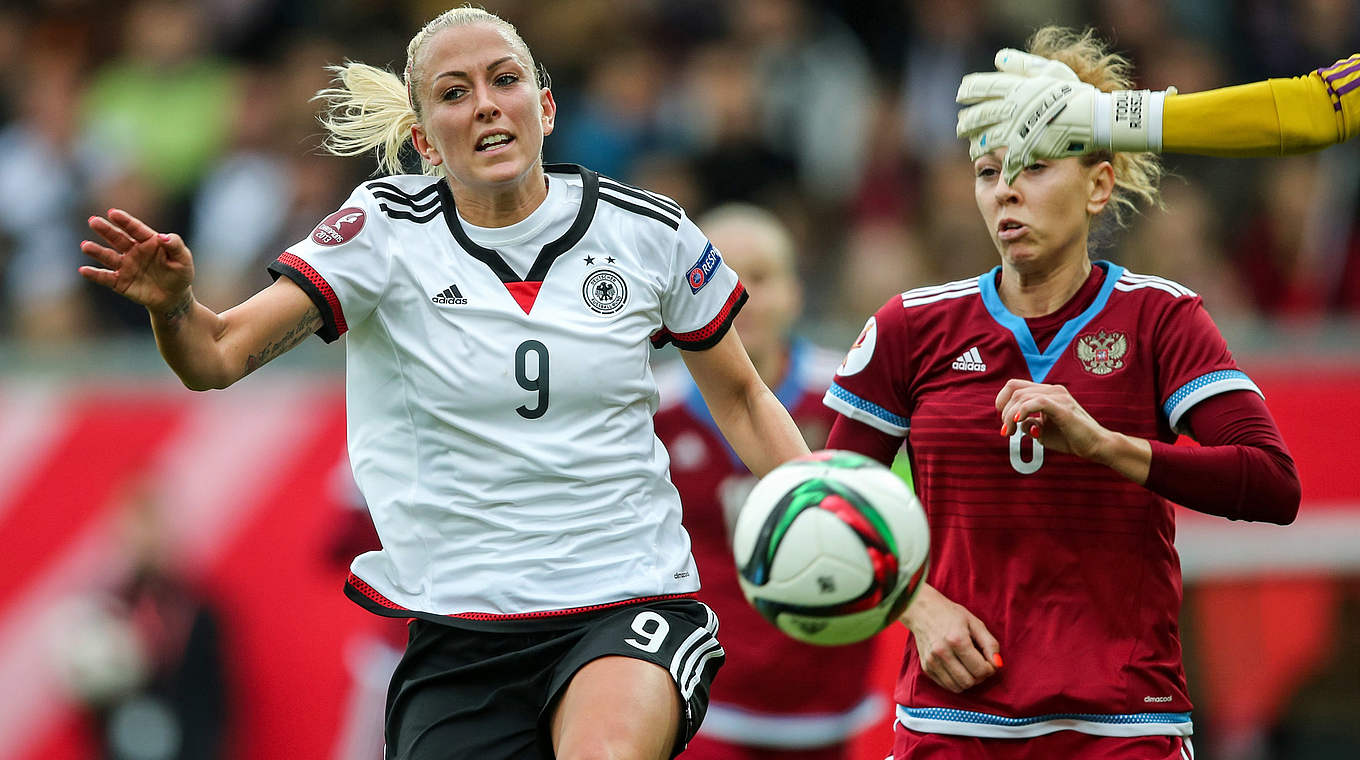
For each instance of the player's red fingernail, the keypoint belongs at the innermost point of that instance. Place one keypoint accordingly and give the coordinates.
(996, 660)
(1017, 416)
(164, 237)
(1003, 429)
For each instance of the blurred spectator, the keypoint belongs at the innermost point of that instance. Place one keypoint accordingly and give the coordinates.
(1182, 63)
(145, 658)
(43, 172)
(956, 243)
(1284, 37)
(614, 121)
(1181, 243)
(164, 102)
(717, 111)
(889, 189)
(1272, 249)
(251, 182)
(947, 40)
(880, 259)
(671, 175)
(267, 176)
(815, 89)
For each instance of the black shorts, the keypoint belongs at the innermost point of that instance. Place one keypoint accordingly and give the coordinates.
(483, 695)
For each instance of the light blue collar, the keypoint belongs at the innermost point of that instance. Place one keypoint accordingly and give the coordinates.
(1040, 362)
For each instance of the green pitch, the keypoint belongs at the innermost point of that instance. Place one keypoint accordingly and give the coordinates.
(902, 466)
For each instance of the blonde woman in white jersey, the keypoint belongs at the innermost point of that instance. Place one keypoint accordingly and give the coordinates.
(500, 317)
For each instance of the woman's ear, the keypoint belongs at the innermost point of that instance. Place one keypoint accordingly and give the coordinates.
(549, 108)
(1100, 184)
(424, 147)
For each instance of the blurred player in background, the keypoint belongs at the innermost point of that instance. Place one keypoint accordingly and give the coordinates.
(1038, 108)
(369, 656)
(778, 698)
(500, 316)
(1052, 544)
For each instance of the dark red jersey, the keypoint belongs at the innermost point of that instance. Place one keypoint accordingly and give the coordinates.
(773, 690)
(1069, 565)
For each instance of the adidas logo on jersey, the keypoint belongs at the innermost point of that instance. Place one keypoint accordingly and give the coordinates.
(450, 295)
(970, 361)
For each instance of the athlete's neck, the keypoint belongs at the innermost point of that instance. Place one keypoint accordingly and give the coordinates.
(501, 206)
(1037, 292)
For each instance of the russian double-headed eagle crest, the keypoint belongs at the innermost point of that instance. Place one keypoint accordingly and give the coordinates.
(1103, 352)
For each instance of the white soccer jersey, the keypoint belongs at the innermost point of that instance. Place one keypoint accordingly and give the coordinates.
(500, 426)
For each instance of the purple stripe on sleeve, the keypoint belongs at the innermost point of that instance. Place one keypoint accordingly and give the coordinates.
(1333, 74)
(1347, 87)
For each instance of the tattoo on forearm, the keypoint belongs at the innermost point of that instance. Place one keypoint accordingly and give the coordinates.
(294, 336)
(177, 312)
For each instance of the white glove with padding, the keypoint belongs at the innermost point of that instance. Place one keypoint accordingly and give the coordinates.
(1038, 108)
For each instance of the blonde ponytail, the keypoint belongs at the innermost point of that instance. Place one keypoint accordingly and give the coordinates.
(367, 109)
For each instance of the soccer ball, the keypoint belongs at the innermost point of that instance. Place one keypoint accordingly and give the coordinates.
(831, 547)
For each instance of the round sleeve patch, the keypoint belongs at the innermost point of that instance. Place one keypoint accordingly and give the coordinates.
(862, 351)
(340, 227)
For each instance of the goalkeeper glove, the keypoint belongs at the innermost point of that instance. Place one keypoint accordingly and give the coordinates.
(1039, 108)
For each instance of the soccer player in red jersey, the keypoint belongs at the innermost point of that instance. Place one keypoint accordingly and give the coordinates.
(1040, 402)
(778, 699)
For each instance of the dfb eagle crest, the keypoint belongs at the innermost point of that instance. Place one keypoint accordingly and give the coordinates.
(1102, 353)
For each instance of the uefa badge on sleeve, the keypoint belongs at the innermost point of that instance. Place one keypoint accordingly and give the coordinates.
(702, 270)
(605, 291)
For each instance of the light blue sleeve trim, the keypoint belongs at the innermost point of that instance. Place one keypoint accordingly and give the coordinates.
(1203, 387)
(868, 412)
(942, 720)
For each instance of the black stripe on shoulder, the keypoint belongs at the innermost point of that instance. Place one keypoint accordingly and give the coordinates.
(650, 211)
(429, 191)
(664, 204)
(405, 200)
(399, 213)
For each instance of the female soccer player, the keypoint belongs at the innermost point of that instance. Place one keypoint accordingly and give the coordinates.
(500, 315)
(1049, 628)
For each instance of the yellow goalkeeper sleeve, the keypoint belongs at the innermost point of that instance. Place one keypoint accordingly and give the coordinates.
(1270, 118)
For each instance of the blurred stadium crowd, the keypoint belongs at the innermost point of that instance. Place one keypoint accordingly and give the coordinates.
(196, 115)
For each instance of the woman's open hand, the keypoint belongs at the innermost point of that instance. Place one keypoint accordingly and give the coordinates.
(146, 267)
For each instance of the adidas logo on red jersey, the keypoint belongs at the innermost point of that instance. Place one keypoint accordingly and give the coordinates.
(970, 361)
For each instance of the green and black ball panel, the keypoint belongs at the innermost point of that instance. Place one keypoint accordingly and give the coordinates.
(855, 511)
